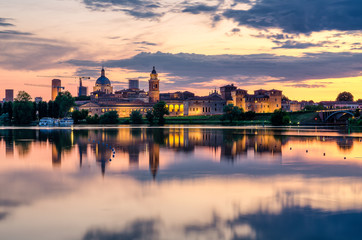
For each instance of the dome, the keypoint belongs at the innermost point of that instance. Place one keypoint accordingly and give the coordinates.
(103, 81)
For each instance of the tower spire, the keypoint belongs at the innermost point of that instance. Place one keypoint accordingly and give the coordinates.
(103, 73)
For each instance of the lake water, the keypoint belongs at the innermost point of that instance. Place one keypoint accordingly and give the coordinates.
(180, 183)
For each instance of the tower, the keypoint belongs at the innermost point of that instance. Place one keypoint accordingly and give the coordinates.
(154, 87)
(103, 84)
(82, 91)
(56, 86)
(9, 95)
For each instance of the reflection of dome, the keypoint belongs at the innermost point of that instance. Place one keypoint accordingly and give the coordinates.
(103, 81)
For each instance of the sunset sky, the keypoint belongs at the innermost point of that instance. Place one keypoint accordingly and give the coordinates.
(310, 49)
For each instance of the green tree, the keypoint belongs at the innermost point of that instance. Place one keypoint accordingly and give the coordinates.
(8, 108)
(345, 97)
(65, 102)
(4, 119)
(279, 118)
(249, 115)
(92, 119)
(42, 109)
(149, 117)
(109, 118)
(136, 117)
(232, 112)
(23, 97)
(23, 108)
(79, 115)
(159, 112)
(314, 108)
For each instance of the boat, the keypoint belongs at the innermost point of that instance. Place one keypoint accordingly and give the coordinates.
(66, 122)
(46, 121)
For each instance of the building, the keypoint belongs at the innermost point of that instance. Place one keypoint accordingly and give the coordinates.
(154, 87)
(226, 92)
(291, 106)
(82, 91)
(38, 99)
(133, 84)
(341, 104)
(56, 87)
(103, 85)
(207, 105)
(9, 95)
(262, 101)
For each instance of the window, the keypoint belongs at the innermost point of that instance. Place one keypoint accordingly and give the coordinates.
(277, 105)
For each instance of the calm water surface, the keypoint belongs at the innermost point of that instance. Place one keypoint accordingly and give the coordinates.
(180, 183)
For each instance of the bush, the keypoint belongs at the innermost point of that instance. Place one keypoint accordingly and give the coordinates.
(136, 117)
(250, 115)
(79, 115)
(149, 117)
(92, 120)
(232, 112)
(109, 118)
(279, 118)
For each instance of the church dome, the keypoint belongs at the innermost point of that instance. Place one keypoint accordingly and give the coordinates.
(103, 80)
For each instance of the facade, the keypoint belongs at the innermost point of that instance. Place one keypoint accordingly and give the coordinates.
(208, 105)
(291, 106)
(226, 92)
(9, 95)
(56, 87)
(262, 101)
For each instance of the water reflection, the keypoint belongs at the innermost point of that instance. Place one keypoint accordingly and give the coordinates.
(180, 183)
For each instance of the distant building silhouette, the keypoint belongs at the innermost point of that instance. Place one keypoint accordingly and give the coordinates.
(9, 95)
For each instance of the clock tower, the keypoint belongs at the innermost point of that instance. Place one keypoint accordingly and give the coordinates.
(154, 87)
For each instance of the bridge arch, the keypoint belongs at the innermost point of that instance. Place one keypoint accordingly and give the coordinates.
(344, 112)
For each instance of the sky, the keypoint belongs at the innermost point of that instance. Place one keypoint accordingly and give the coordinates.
(310, 49)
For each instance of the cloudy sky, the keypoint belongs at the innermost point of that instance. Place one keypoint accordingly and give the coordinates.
(310, 49)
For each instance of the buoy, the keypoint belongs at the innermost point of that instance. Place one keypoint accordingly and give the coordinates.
(324, 154)
(290, 148)
(306, 150)
(345, 158)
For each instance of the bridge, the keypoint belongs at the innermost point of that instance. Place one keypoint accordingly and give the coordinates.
(336, 115)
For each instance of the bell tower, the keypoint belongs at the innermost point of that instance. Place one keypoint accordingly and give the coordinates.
(154, 87)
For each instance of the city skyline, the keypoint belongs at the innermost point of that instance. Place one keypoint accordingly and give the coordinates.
(196, 45)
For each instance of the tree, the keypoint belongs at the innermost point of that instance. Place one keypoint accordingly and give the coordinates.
(8, 108)
(79, 115)
(136, 117)
(109, 118)
(23, 108)
(232, 112)
(149, 117)
(23, 97)
(92, 120)
(285, 98)
(345, 97)
(4, 118)
(159, 111)
(65, 102)
(42, 109)
(249, 115)
(279, 118)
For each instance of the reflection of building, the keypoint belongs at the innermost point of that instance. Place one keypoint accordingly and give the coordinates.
(56, 156)
(154, 156)
(9, 95)
(56, 87)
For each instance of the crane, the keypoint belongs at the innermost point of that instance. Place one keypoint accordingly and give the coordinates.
(43, 85)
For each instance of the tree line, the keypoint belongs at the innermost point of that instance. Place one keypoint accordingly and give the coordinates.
(24, 111)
